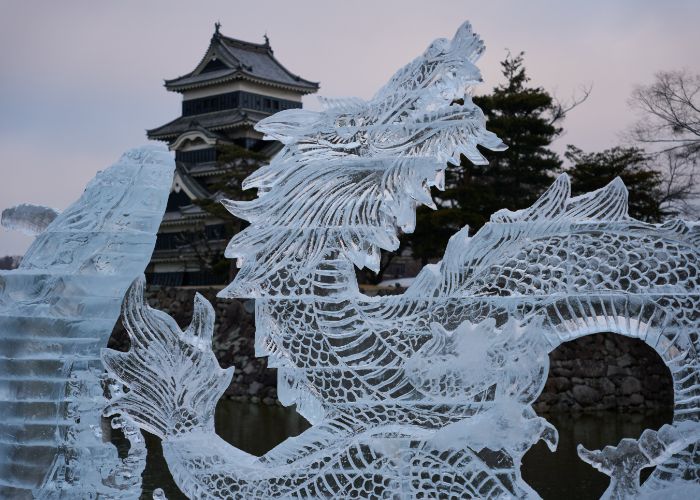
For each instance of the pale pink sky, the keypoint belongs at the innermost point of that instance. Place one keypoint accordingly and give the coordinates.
(82, 80)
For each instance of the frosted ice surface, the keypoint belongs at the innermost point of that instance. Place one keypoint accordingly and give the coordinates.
(28, 219)
(158, 494)
(427, 394)
(56, 311)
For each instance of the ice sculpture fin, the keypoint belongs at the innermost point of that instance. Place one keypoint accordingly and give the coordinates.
(286, 125)
(624, 462)
(173, 377)
(553, 212)
(28, 219)
(550, 205)
(608, 203)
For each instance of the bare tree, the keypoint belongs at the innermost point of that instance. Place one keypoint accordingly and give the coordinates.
(670, 112)
(680, 190)
(669, 127)
(561, 108)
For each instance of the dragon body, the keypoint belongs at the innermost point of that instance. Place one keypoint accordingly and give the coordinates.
(425, 394)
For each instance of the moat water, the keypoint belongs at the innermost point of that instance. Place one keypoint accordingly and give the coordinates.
(258, 428)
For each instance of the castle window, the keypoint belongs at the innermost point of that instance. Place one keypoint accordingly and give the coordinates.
(196, 156)
(234, 100)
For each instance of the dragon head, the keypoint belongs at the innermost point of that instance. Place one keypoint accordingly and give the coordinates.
(424, 111)
(350, 177)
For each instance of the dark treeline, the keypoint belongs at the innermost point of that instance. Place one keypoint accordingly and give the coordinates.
(528, 119)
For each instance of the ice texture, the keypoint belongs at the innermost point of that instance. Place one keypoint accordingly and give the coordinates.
(427, 394)
(57, 310)
(28, 219)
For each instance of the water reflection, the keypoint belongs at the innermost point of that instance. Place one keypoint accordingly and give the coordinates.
(253, 428)
(555, 475)
(258, 428)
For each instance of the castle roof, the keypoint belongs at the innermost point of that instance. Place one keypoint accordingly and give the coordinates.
(230, 59)
(211, 122)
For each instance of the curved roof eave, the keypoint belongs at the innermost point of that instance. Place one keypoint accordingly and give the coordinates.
(303, 89)
(169, 136)
(190, 186)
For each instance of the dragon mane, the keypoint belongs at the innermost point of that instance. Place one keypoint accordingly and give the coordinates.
(351, 210)
(351, 176)
(468, 259)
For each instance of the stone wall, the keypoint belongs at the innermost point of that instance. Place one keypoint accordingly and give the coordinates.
(598, 372)
(605, 372)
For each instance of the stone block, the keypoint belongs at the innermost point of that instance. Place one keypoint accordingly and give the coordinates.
(585, 395)
(630, 385)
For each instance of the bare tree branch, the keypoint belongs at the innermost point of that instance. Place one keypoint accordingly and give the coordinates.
(669, 111)
(669, 125)
(680, 188)
(561, 108)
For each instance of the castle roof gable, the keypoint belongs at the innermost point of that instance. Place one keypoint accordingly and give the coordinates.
(229, 59)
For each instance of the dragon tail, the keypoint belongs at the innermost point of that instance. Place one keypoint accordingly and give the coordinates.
(172, 379)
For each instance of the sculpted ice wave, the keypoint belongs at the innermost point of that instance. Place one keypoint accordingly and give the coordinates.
(56, 311)
(426, 394)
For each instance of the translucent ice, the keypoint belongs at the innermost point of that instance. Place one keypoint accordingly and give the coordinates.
(426, 394)
(56, 311)
(28, 219)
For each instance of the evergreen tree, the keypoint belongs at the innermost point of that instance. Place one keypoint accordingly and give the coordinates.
(525, 118)
(591, 171)
(234, 163)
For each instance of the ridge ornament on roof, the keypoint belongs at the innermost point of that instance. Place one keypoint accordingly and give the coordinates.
(238, 59)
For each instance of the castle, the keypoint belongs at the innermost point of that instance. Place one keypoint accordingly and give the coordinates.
(235, 85)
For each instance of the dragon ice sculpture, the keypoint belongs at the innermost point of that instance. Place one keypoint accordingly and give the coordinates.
(426, 394)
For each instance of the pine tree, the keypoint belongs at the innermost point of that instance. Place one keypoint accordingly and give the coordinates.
(234, 163)
(591, 171)
(525, 119)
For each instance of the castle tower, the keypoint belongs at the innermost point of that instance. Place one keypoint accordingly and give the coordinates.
(235, 85)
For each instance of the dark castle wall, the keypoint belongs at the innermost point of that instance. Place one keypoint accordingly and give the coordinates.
(606, 372)
(597, 372)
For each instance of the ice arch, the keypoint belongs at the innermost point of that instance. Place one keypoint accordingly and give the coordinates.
(666, 325)
(620, 373)
(643, 319)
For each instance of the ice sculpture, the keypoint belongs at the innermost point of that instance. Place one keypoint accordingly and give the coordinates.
(426, 394)
(57, 311)
(28, 219)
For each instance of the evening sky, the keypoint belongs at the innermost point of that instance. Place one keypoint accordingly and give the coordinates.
(82, 80)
